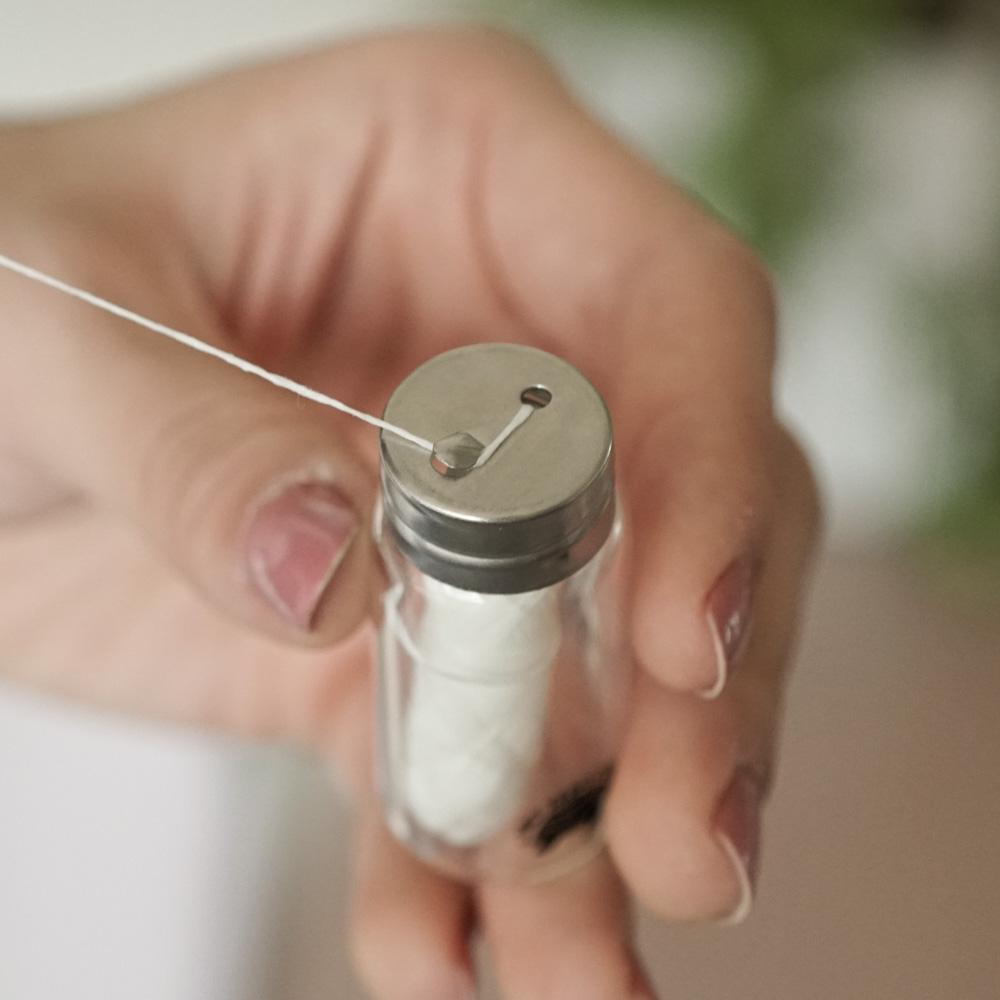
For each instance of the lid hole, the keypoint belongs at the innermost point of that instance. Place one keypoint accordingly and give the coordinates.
(537, 396)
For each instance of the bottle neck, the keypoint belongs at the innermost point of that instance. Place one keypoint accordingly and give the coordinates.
(553, 556)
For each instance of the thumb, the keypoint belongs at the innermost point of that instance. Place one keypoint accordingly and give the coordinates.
(249, 492)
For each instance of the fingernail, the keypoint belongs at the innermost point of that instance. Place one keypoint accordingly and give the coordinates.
(728, 615)
(737, 827)
(295, 544)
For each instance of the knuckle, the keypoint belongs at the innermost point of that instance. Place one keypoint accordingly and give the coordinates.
(755, 276)
(754, 285)
(197, 471)
(725, 250)
(490, 61)
(726, 261)
(171, 488)
(499, 46)
(800, 485)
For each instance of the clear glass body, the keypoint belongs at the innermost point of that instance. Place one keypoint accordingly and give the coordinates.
(500, 716)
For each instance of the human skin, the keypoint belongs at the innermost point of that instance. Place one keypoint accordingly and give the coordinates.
(184, 542)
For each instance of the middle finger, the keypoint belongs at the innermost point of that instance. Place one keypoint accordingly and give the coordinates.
(563, 940)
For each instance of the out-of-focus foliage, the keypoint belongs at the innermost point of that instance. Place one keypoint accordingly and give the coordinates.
(775, 168)
(963, 320)
(777, 160)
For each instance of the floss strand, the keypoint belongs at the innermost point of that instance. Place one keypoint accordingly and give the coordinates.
(234, 360)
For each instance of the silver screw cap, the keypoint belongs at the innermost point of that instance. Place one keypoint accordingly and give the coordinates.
(532, 514)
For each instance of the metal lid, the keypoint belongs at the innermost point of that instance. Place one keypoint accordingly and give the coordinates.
(538, 508)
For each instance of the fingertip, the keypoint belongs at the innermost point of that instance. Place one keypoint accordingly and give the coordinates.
(308, 561)
(663, 815)
(689, 877)
(296, 543)
(410, 925)
(693, 638)
(567, 938)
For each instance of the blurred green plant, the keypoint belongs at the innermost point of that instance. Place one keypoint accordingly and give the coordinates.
(772, 172)
(962, 318)
(774, 166)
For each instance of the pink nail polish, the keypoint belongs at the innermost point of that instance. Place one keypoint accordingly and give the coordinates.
(737, 826)
(295, 544)
(728, 614)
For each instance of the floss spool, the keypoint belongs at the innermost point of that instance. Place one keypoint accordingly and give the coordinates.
(501, 677)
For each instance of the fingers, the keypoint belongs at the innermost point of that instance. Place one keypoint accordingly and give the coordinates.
(565, 939)
(684, 814)
(665, 808)
(410, 925)
(701, 506)
(252, 494)
(596, 257)
(703, 475)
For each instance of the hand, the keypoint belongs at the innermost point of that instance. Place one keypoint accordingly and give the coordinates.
(180, 540)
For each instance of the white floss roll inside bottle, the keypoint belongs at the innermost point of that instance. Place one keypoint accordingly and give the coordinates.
(502, 674)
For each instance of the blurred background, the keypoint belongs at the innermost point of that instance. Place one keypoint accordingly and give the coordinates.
(856, 144)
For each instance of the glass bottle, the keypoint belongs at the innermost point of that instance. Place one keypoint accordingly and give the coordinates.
(503, 674)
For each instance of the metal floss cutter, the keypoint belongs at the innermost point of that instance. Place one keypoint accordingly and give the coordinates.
(538, 509)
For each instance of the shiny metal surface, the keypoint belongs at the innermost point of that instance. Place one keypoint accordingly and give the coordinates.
(538, 509)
